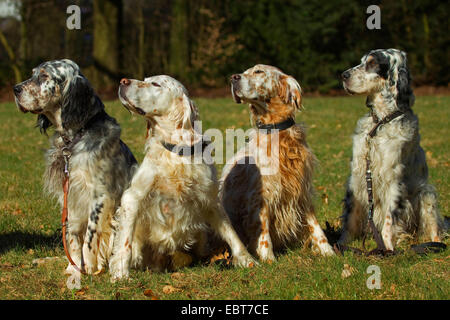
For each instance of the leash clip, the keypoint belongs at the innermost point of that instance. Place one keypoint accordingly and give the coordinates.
(66, 155)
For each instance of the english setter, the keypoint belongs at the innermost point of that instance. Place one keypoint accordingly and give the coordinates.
(404, 202)
(173, 195)
(100, 164)
(269, 194)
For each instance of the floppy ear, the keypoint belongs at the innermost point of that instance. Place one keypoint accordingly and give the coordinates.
(43, 123)
(290, 91)
(79, 103)
(405, 96)
(190, 113)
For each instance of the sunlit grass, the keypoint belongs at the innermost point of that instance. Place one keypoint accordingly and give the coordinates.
(30, 220)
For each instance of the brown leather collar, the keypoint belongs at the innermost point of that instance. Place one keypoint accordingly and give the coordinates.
(379, 123)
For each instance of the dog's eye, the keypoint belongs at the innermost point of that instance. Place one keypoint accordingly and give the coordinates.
(156, 84)
(259, 71)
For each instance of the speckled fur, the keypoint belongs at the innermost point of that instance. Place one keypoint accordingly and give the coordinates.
(101, 165)
(272, 209)
(405, 203)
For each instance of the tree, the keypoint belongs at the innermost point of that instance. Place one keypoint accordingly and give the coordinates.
(107, 50)
(179, 40)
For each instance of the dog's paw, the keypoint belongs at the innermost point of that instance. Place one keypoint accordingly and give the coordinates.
(326, 250)
(245, 261)
(90, 260)
(118, 269)
(71, 270)
(118, 274)
(265, 254)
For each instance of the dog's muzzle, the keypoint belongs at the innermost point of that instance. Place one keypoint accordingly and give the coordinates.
(235, 86)
(345, 76)
(124, 83)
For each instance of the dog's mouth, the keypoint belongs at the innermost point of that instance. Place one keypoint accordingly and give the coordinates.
(21, 108)
(37, 111)
(24, 110)
(350, 92)
(236, 98)
(128, 105)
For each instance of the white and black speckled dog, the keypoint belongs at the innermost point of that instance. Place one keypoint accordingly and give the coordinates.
(404, 202)
(101, 165)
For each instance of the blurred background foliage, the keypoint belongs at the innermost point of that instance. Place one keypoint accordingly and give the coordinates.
(203, 42)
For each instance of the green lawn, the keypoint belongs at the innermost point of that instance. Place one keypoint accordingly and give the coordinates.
(30, 220)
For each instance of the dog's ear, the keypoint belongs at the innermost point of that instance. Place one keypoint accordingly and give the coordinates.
(78, 104)
(190, 113)
(405, 96)
(290, 91)
(43, 123)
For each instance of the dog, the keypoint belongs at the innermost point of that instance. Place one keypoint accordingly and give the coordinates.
(269, 198)
(404, 203)
(100, 164)
(172, 201)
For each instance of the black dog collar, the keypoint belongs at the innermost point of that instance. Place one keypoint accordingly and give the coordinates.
(186, 150)
(276, 126)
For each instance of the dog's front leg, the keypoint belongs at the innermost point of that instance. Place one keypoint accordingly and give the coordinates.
(264, 247)
(93, 234)
(387, 232)
(319, 240)
(127, 215)
(220, 223)
(74, 246)
(95, 251)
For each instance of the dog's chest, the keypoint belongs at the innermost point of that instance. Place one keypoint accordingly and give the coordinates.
(381, 154)
(179, 195)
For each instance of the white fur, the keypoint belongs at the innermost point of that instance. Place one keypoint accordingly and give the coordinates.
(405, 204)
(172, 199)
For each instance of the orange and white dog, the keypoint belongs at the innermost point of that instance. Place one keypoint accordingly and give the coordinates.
(266, 188)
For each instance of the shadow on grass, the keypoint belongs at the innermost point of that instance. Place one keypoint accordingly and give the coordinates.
(24, 240)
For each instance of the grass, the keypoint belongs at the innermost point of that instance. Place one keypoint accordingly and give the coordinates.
(30, 220)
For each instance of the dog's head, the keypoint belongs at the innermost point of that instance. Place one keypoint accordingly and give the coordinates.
(260, 85)
(57, 86)
(159, 96)
(381, 71)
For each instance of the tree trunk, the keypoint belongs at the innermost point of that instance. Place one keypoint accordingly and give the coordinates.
(12, 58)
(141, 42)
(179, 40)
(107, 51)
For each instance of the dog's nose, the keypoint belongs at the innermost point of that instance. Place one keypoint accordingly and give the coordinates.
(17, 89)
(125, 81)
(235, 77)
(345, 75)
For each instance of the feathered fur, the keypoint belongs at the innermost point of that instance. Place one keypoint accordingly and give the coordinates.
(172, 199)
(405, 203)
(267, 187)
(100, 164)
